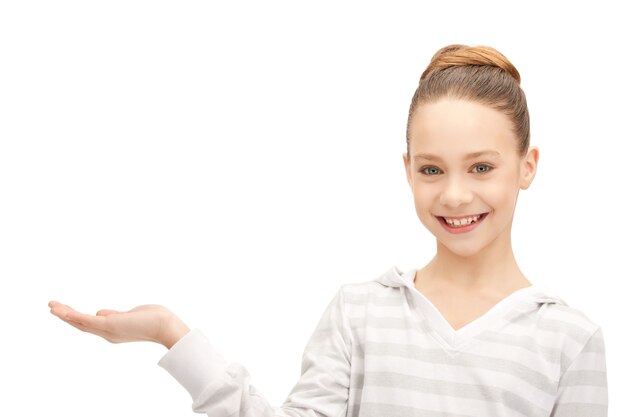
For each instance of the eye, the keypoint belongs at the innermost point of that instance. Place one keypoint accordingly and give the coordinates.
(430, 170)
(481, 168)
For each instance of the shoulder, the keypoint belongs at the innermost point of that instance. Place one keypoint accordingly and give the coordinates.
(568, 322)
(570, 330)
(370, 291)
(372, 302)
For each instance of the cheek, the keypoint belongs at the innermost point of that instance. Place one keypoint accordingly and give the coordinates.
(501, 195)
(425, 198)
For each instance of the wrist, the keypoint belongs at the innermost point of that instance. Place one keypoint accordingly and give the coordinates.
(176, 329)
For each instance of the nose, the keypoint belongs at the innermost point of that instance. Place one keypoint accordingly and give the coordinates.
(455, 193)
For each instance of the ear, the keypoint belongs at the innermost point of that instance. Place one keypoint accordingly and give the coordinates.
(528, 167)
(407, 168)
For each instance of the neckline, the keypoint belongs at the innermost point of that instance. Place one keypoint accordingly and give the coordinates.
(443, 330)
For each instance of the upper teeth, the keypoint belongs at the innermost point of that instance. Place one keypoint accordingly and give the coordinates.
(461, 222)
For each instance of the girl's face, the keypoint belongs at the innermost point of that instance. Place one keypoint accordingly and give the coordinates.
(466, 173)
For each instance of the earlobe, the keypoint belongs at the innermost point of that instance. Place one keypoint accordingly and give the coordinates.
(529, 167)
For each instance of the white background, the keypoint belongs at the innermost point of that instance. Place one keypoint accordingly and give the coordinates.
(239, 162)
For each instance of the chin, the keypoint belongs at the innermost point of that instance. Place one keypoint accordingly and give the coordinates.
(464, 252)
(467, 249)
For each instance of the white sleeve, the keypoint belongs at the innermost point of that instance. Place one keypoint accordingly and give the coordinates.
(219, 388)
(583, 386)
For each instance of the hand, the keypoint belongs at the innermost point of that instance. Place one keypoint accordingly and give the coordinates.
(153, 323)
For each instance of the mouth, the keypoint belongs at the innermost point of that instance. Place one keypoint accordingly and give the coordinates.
(461, 224)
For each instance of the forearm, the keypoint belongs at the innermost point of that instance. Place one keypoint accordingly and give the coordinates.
(220, 387)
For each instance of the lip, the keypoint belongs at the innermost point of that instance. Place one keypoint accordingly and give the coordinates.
(462, 229)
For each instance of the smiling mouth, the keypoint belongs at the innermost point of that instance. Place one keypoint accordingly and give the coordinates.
(461, 222)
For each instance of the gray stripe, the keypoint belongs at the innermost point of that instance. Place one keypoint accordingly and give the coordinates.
(451, 389)
(353, 410)
(363, 299)
(595, 343)
(580, 410)
(464, 359)
(584, 378)
(575, 332)
(356, 380)
(404, 323)
(525, 342)
(327, 328)
(566, 362)
(549, 354)
(389, 410)
(569, 311)
(521, 317)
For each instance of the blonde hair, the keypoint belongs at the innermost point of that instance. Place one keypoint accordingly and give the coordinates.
(475, 73)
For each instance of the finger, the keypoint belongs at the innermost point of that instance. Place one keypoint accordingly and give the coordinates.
(97, 332)
(106, 312)
(54, 303)
(67, 313)
(57, 304)
(78, 326)
(87, 320)
(64, 315)
(60, 310)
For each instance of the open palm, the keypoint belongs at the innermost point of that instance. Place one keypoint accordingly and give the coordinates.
(149, 322)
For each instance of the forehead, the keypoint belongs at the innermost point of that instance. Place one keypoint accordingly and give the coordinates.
(450, 127)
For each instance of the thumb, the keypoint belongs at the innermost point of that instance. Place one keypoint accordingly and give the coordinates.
(106, 312)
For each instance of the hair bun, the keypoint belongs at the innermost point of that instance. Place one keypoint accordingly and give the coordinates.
(457, 55)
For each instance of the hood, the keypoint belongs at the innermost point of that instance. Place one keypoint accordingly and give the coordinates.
(394, 277)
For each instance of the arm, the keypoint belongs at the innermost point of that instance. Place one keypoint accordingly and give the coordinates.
(219, 388)
(583, 386)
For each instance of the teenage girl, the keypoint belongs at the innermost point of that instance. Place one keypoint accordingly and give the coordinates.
(467, 334)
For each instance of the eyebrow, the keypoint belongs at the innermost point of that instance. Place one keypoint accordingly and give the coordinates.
(472, 155)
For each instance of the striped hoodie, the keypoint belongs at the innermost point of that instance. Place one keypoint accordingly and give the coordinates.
(382, 349)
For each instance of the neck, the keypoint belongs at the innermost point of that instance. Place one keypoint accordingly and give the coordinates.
(493, 268)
